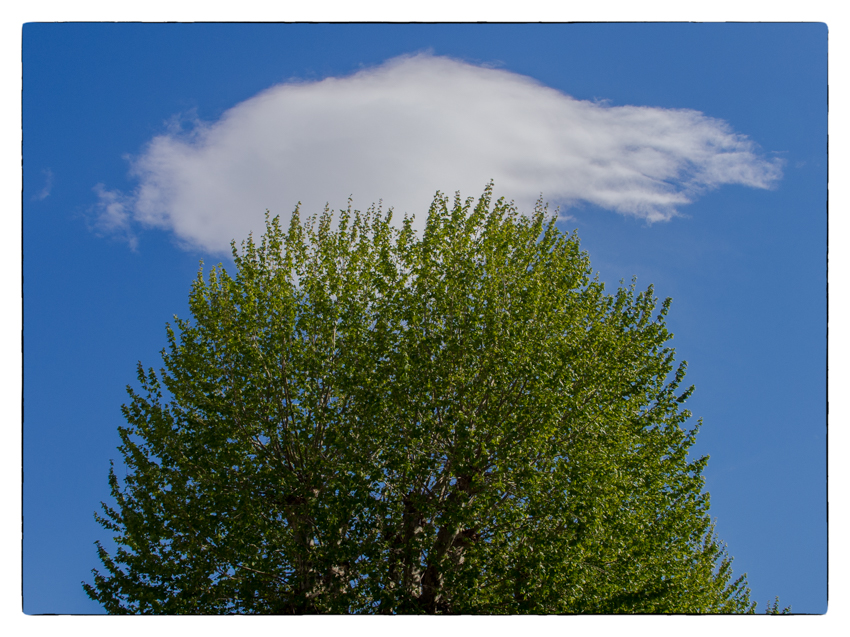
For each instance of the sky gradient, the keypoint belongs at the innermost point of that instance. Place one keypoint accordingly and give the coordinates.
(692, 156)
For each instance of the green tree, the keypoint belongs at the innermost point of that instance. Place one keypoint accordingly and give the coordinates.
(364, 419)
(773, 608)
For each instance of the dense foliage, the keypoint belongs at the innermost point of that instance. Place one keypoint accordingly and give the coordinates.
(369, 420)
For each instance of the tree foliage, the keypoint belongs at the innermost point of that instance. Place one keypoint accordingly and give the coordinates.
(773, 608)
(364, 419)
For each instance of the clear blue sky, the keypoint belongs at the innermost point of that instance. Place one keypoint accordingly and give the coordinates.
(743, 253)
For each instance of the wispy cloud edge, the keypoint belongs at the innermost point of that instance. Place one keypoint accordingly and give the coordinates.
(414, 125)
(44, 193)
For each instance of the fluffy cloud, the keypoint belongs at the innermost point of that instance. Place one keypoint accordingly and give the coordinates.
(415, 125)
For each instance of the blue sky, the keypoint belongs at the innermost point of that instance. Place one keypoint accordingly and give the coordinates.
(699, 166)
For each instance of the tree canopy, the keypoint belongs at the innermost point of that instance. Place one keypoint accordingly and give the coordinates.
(367, 419)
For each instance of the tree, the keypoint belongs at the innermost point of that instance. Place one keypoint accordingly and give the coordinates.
(773, 608)
(365, 420)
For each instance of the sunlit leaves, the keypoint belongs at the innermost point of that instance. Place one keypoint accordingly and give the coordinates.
(362, 419)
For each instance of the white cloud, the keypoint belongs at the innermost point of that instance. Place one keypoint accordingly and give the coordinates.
(112, 215)
(415, 125)
(44, 193)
